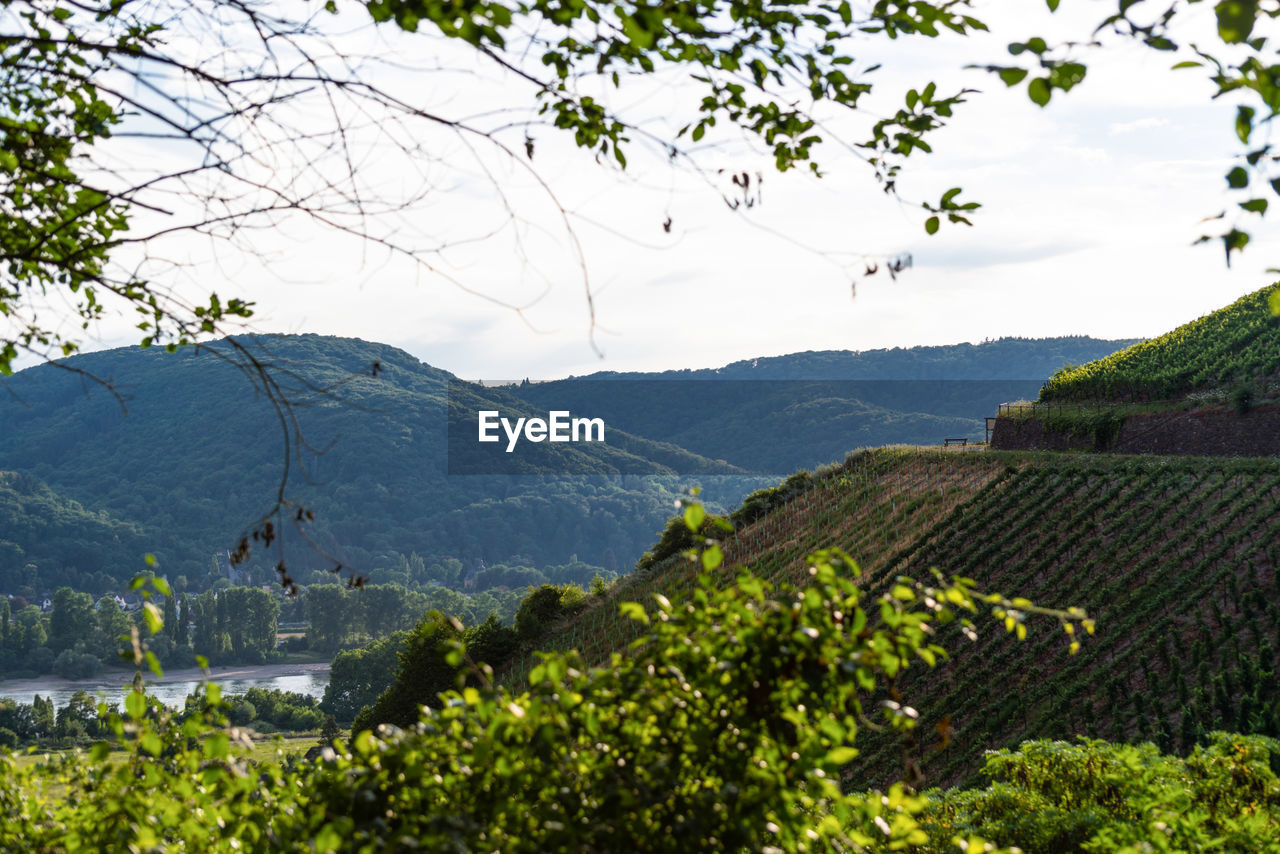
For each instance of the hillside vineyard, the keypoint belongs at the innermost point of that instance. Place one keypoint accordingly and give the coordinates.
(1178, 559)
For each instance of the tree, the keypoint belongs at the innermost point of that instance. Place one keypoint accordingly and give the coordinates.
(43, 716)
(358, 676)
(71, 620)
(170, 617)
(331, 615)
(180, 630)
(113, 628)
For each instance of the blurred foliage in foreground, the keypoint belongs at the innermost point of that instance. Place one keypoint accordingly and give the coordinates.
(724, 728)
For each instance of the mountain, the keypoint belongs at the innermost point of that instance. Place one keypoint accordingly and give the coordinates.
(183, 448)
(187, 451)
(40, 528)
(785, 413)
(1001, 359)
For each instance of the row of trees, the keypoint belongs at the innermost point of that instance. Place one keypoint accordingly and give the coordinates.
(39, 722)
(77, 637)
(339, 616)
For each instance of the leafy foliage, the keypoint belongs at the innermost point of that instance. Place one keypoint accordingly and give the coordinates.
(1052, 797)
(725, 728)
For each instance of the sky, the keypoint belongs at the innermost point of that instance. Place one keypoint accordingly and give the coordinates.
(1090, 208)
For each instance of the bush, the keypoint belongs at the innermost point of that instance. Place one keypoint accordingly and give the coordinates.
(1242, 399)
(8, 738)
(76, 665)
(242, 712)
(1051, 796)
(545, 605)
(295, 644)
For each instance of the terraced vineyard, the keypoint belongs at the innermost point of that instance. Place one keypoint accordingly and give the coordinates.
(1176, 558)
(1234, 344)
(872, 505)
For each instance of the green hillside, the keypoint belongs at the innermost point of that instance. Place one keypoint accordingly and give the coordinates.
(1176, 559)
(190, 457)
(1238, 344)
(39, 528)
(187, 454)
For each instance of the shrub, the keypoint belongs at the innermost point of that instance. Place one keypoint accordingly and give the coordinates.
(545, 606)
(1242, 399)
(76, 665)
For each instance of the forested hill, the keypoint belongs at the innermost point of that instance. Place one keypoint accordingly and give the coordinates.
(1001, 359)
(189, 455)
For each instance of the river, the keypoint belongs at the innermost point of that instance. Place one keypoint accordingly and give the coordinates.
(309, 679)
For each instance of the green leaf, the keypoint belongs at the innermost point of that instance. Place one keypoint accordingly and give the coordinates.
(135, 703)
(151, 614)
(217, 745)
(1234, 241)
(842, 755)
(162, 587)
(694, 516)
(1258, 206)
(1273, 301)
(1236, 19)
(1038, 91)
(1244, 122)
(328, 839)
(931, 225)
(1237, 178)
(634, 611)
(1012, 76)
(712, 557)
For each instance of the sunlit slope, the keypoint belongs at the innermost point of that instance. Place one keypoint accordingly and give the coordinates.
(1238, 343)
(1176, 559)
(874, 504)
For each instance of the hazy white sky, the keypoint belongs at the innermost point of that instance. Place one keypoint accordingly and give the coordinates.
(1090, 209)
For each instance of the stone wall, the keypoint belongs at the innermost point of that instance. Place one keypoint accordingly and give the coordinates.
(1205, 432)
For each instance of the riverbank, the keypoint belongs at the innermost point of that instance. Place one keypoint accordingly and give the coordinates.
(50, 683)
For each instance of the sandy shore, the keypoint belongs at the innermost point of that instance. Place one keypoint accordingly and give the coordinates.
(189, 674)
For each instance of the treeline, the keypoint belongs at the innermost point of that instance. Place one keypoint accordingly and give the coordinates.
(387, 681)
(341, 617)
(78, 636)
(82, 720)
